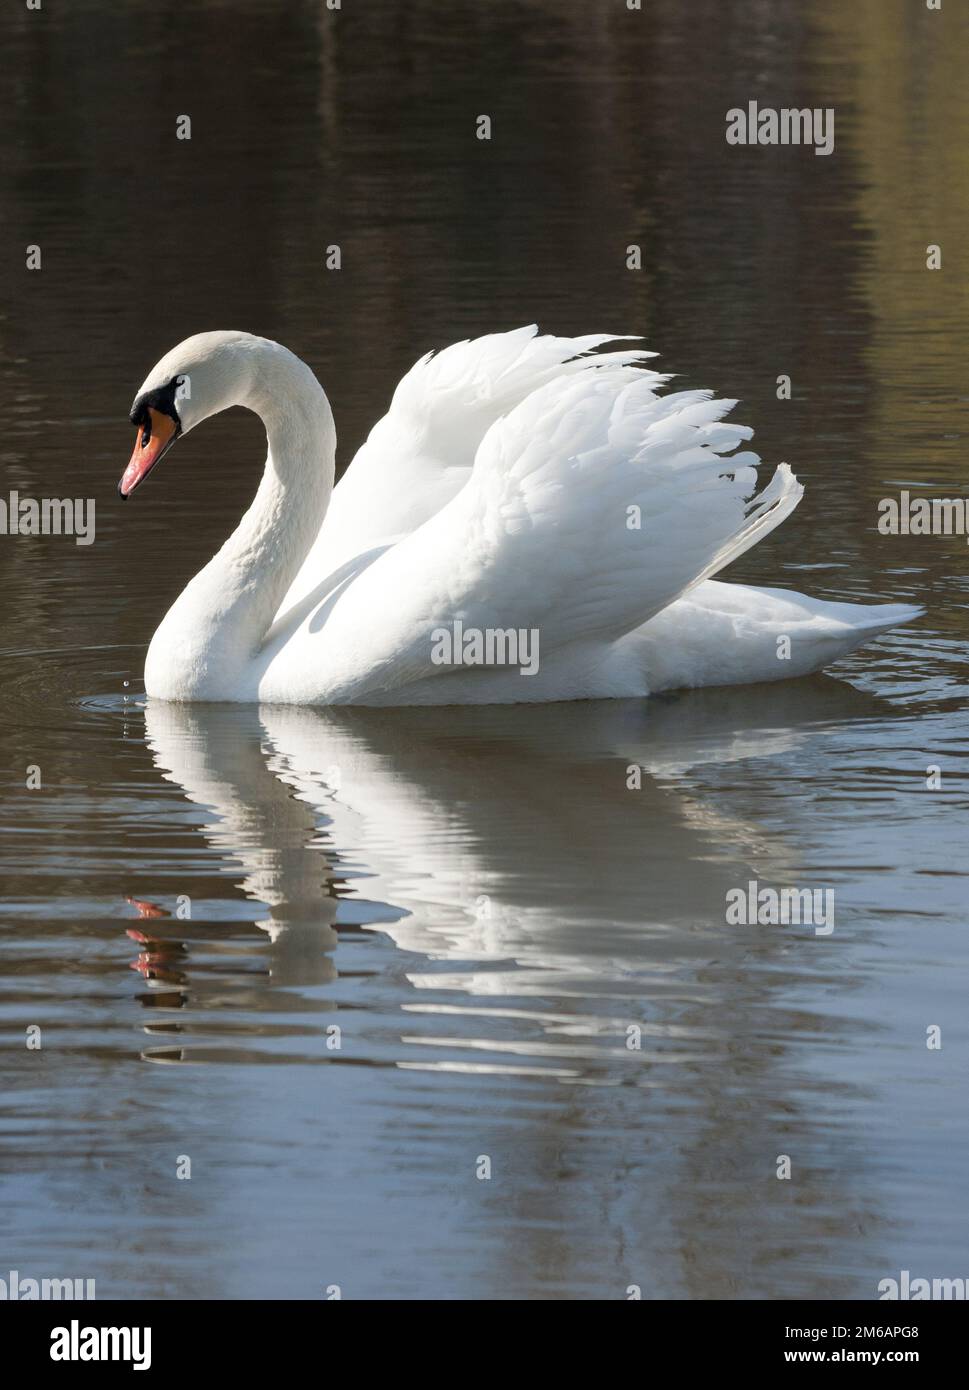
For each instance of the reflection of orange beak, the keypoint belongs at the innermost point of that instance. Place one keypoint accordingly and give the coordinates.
(149, 448)
(146, 909)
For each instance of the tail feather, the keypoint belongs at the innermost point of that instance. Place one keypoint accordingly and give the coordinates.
(727, 634)
(768, 509)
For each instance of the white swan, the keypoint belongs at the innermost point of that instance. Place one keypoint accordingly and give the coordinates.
(519, 484)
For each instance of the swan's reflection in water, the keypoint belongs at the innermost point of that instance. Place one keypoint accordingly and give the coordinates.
(548, 869)
(521, 911)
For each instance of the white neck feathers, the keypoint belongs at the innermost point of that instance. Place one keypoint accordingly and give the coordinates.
(212, 633)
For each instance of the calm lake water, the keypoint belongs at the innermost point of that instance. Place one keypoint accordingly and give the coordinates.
(336, 959)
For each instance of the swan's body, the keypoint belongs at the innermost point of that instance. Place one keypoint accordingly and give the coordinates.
(517, 485)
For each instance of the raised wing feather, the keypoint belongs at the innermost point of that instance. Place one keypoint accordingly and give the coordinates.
(595, 503)
(419, 455)
(591, 506)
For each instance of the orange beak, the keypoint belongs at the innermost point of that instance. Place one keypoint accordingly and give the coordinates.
(151, 442)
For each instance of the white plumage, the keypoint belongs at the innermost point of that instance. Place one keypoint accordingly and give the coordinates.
(518, 483)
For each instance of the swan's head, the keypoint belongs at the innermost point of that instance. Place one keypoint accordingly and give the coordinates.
(200, 377)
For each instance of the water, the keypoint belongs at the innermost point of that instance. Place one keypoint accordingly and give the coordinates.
(476, 900)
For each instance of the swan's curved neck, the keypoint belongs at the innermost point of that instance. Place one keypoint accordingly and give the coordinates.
(211, 635)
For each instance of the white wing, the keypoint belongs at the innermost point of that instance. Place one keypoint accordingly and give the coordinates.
(420, 454)
(596, 503)
(591, 506)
